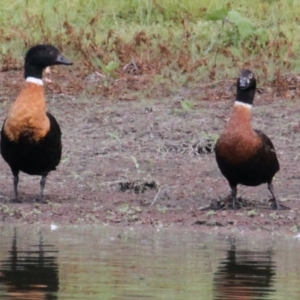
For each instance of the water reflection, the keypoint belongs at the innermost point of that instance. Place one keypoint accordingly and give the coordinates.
(244, 274)
(114, 263)
(30, 274)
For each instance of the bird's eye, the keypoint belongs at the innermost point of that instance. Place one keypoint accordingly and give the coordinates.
(250, 75)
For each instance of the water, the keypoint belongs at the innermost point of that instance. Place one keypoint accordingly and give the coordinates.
(129, 264)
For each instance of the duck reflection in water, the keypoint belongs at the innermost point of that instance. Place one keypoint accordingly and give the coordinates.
(244, 275)
(31, 274)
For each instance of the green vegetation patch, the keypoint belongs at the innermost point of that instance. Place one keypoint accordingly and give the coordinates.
(182, 42)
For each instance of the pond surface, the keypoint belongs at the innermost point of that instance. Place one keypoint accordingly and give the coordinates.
(90, 262)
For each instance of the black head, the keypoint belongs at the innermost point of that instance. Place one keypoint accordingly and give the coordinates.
(41, 56)
(246, 86)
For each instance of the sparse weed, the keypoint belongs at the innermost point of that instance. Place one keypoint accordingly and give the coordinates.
(129, 212)
(251, 213)
(179, 42)
(187, 105)
(210, 213)
(7, 210)
(115, 136)
(162, 209)
(124, 208)
(274, 216)
(136, 164)
(81, 179)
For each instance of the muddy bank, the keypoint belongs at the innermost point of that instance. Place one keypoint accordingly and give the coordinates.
(151, 162)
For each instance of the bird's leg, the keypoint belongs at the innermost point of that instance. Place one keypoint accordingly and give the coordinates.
(16, 181)
(233, 194)
(276, 204)
(42, 185)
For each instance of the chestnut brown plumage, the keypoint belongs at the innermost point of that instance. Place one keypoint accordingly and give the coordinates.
(244, 155)
(30, 136)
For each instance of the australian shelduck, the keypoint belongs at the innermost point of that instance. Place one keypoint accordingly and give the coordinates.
(30, 136)
(245, 155)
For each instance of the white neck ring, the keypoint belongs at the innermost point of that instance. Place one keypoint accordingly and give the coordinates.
(239, 103)
(35, 80)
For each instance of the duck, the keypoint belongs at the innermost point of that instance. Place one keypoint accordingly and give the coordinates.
(31, 136)
(245, 155)
(244, 274)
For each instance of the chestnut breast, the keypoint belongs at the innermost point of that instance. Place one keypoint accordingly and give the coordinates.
(239, 141)
(27, 115)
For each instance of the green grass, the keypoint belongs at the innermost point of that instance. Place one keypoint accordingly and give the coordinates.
(182, 41)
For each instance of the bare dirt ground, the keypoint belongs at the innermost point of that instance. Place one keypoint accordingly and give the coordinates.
(151, 161)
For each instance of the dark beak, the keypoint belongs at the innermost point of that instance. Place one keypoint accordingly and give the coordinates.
(244, 82)
(60, 60)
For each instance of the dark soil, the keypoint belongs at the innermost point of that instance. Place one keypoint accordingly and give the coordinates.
(151, 161)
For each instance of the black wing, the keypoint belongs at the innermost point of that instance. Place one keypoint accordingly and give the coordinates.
(266, 141)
